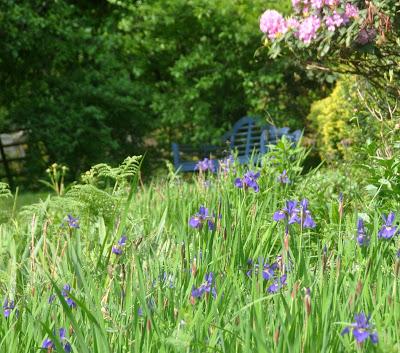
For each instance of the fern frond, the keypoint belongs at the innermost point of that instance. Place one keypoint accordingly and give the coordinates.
(5, 190)
(90, 200)
(128, 169)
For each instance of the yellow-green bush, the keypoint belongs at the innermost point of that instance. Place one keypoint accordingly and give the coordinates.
(334, 120)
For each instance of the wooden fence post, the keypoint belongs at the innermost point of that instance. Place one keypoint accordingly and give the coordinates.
(6, 166)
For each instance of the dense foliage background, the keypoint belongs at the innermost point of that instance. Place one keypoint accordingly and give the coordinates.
(96, 81)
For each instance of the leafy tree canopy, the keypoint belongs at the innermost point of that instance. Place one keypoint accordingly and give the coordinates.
(95, 81)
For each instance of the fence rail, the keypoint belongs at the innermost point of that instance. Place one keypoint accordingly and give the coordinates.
(13, 146)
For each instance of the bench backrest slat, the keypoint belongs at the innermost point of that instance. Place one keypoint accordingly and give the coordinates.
(245, 138)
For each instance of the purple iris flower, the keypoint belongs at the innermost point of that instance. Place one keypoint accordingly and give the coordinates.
(70, 303)
(62, 333)
(362, 329)
(277, 285)
(122, 241)
(267, 270)
(249, 180)
(201, 217)
(273, 288)
(66, 289)
(283, 178)
(275, 274)
(293, 214)
(388, 230)
(65, 293)
(205, 164)
(117, 250)
(205, 287)
(362, 238)
(306, 217)
(49, 345)
(398, 254)
(267, 273)
(290, 213)
(8, 307)
(72, 222)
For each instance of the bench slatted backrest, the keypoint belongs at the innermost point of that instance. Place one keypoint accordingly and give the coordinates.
(245, 137)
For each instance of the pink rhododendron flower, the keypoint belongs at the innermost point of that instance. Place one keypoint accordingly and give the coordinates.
(273, 24)
(308, 29)
(317, 4)
(334, 21)
(306, 10)
(351, 11)
(332, 2)
(292, 23)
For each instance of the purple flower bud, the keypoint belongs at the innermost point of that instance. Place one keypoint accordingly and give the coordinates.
(66, 289)
(71, 303)
(51, 299)
(283, 178)
(116, 251)
(8, 307)
(122, 241)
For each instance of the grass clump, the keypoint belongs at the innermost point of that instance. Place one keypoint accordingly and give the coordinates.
(204, 265)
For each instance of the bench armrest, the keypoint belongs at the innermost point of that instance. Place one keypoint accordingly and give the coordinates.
(175, 155)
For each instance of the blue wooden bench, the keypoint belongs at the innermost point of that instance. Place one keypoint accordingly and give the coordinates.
(247, 139)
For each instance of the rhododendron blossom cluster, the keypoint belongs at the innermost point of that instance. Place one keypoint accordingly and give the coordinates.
(273, 24)
(308, 29)
(311, 16)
